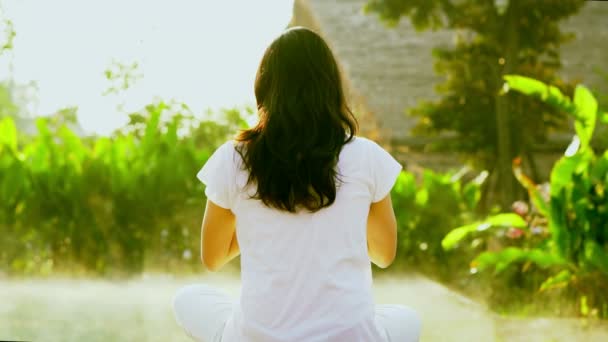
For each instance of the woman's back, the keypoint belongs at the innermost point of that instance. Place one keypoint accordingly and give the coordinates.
(306, 204)
(305, 276)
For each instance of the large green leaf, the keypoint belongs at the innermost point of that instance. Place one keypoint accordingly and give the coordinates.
(471, 194)
(547, 93)
(562, 279)
(502, 259)
(596, 255)
(501, 220)
(499, 260)
(8, 133)
(565, 168)
(507, 220)
(586, 113)
(560, 234)
(542, 258)
(456, 235)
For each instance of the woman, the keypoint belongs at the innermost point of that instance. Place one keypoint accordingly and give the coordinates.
(307, 205)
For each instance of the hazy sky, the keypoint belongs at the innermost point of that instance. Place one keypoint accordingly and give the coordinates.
(202, 52)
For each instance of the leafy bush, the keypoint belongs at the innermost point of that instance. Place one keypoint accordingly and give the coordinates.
(566, 234)
(108, 204)
(120, 204)
(424, 210)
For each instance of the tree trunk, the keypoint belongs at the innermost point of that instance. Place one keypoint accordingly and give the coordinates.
(506, 181)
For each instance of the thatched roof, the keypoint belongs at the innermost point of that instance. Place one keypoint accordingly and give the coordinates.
(389, 70)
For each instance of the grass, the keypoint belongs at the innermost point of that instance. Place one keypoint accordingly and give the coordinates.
(140, 310)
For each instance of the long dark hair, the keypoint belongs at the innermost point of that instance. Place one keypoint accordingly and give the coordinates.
(304, 121)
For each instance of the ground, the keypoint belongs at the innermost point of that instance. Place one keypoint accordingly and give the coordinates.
(140, 310)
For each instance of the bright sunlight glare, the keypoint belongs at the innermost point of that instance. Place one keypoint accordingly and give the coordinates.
(201, 52)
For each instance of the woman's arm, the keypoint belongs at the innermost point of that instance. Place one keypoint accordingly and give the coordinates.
(382, 232)
(219, 244)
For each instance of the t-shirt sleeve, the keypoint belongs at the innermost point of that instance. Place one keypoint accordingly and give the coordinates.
(218, 176)
(384, 171)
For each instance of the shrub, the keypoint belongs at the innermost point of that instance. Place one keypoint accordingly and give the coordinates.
(106, 204)
(566, 234)
(424, 210)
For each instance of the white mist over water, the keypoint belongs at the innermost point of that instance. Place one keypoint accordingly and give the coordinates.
(201, 52)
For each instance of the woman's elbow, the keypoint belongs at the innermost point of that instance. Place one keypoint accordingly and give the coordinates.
(388, 251)
(386, 259)
(210, 263)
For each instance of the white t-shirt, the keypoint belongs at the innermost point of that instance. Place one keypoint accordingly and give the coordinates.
(305, 276)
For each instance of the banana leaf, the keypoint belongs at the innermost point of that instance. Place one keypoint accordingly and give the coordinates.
(504, 258)
(501, 220)
(546, 93)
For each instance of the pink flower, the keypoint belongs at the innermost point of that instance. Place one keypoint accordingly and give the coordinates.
(514, 233)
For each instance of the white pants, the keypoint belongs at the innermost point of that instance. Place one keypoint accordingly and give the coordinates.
(202, 311)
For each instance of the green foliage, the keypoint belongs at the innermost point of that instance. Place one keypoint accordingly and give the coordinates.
(8, 135)
(108, 204)
(557, 281)
(423, 207)
(583, 109)
(8, 31)
(8, 107)
(492, 39)
(504, 258)
(573, 213)
(423, 13)
(502, 220)
(547, 93)
(121, 76)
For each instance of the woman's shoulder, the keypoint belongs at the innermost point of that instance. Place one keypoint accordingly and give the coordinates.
(227, 152)
(355, 152)
(361, 145)
(363, 150)
(230, 147)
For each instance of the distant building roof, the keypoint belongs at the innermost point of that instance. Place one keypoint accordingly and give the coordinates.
(389, 70)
